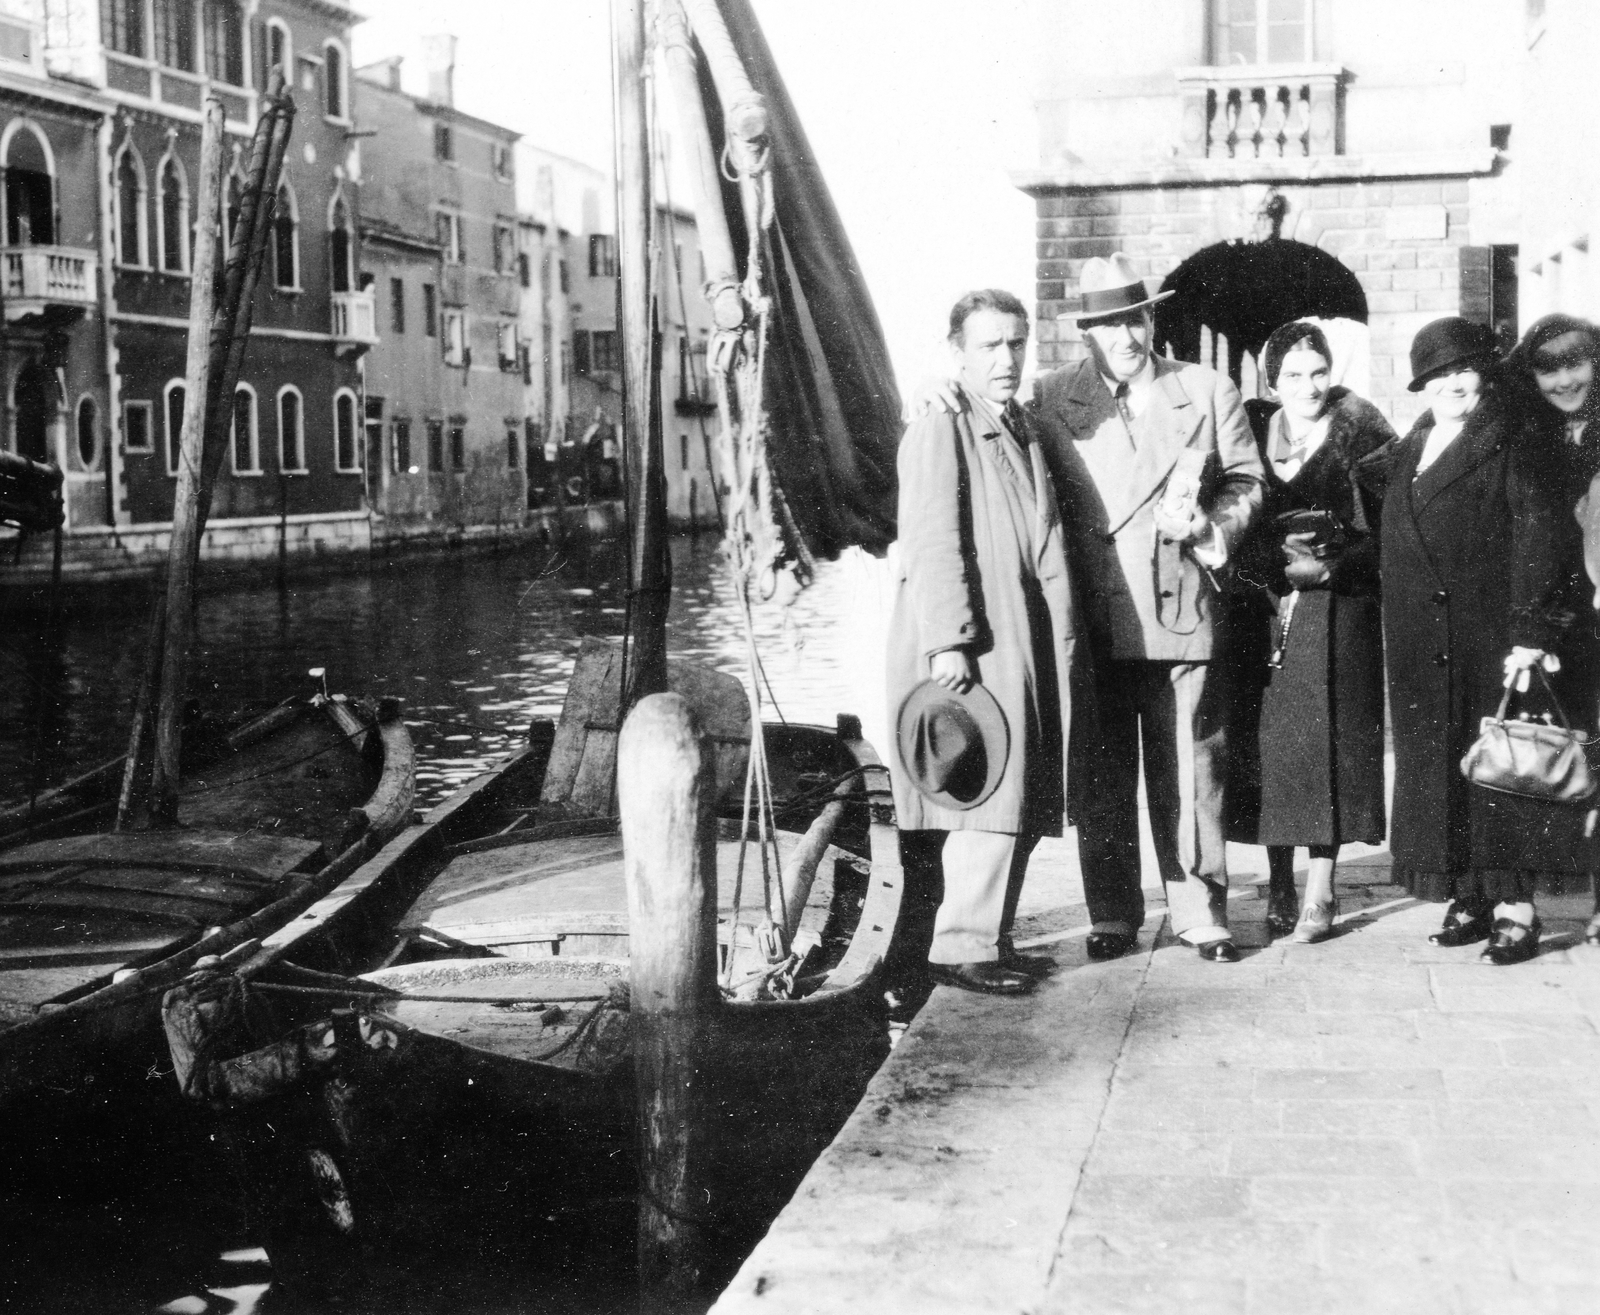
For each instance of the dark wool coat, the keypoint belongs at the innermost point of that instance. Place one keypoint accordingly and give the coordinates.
(983, 567)
(1473, 555)
(1306, 740)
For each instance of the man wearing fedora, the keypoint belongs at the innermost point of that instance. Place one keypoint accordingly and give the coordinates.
(980, 649)
(1158, 478)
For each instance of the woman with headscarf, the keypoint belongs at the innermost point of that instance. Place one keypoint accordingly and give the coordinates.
(1475, 542)
(1307, 646)
(1557, 358)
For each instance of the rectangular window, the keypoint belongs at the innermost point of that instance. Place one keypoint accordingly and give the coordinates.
(402, 447)
(566, 363)
(397, 305)
(524, 270)
(224, 36)
(430, 311)
(580, 350)
(526, 355)
(565, 281)
(508, 346)
(1261, 32)
(449, 230)
(136, 426)
(174, 34)
(683, 449)
(122, 26)
(505, 250)
(444, 147)
(455, 338)
(500, 160)
(513, 446)
(436, 445)
(602, 256)
(458, 447)
(603, 351)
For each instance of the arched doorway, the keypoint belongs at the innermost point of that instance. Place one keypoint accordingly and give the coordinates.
(30, 192)
(33, 405)
(1231, 296)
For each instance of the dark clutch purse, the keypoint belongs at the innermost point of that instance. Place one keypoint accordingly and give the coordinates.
(1534, 759)
(1331, 536)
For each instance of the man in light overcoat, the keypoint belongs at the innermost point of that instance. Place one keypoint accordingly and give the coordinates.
(983, 599)
(1158, 478)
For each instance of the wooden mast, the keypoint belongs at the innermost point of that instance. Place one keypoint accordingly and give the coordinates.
(650, 575)
(187, 521)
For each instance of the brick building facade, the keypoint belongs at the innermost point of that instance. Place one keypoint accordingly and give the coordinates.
(1384, 137)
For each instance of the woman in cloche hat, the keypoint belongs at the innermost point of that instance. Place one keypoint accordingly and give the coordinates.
(1474, 539)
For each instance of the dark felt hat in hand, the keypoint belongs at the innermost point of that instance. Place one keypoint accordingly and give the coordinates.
(954, 746)
(1447, 345)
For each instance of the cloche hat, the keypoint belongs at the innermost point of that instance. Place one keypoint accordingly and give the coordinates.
(1446, 345)
(954, 746)
(1109, 287)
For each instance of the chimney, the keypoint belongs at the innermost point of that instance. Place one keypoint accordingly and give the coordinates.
(439, 52)
(394, 72)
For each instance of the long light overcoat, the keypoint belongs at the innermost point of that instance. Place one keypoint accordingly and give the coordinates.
(983, 566)
(1143, 595)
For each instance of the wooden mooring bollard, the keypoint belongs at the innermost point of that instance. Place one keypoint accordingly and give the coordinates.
(665, 793)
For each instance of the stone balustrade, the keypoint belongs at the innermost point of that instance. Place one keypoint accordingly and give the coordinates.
(1263, 112)
(34, 279)
(355, 318)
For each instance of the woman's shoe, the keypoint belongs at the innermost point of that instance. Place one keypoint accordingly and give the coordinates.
(1316, 923)
(1464, 924)
(1512, 942)
(1283, 907)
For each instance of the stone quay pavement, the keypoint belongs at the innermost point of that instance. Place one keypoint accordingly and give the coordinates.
(1367, 1125)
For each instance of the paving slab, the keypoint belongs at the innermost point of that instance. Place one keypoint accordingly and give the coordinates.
(1372, 1124)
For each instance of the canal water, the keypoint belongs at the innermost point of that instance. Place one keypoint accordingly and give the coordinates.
(475, 647)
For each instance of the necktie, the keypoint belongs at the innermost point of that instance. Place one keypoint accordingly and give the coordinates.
(1125, 410)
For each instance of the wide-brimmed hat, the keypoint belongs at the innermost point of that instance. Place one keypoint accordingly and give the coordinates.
(1446, 345)
(954, 746)
(1108, 286)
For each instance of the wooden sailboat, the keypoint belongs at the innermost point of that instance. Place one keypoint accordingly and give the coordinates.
(113, 885)
(457, 1011)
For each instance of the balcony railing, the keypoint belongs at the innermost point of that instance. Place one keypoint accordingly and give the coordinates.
(42, 279)
(1263, 112)
(355, 319)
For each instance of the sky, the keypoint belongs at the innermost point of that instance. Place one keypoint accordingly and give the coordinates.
(916, 110)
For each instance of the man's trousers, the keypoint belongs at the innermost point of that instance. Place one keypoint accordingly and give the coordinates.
(1174, 710)
(983, 872)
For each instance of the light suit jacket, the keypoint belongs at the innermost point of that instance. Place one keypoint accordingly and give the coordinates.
(983, 567)
(1143, 595)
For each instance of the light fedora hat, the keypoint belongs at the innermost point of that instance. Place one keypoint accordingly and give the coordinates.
(1108, 286)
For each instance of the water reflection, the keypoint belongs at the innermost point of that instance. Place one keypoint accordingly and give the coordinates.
(475, 648)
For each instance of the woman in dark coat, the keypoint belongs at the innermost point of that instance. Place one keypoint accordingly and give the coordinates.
(1474, 545)
(1307, 643)
(1558, 359)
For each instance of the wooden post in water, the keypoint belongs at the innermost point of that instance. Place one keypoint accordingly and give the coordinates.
(649, 571)
(665, 791)
(187, 521)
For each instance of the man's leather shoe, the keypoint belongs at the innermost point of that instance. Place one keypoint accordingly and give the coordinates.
(1221, 951)
(1029, 965)
(1463, 925)
(988, 977)
(1512, 942)
(1105, 945)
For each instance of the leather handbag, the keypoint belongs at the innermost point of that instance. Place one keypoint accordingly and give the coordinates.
(1534, 759)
